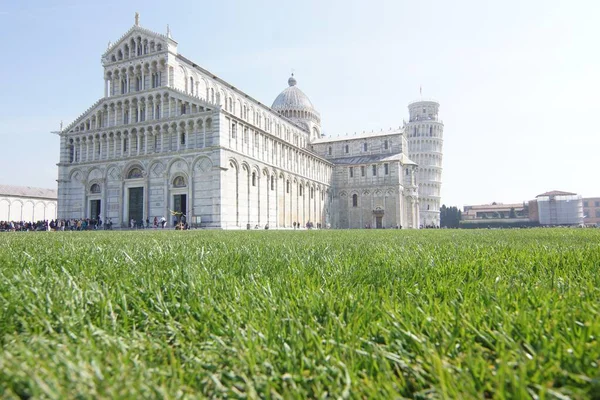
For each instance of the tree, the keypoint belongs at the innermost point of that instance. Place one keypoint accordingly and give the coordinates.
(450, 216)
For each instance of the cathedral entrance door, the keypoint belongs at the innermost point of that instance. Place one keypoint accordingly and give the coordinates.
(94, 209)
(379, 222)
(180, 203)
(136, 204)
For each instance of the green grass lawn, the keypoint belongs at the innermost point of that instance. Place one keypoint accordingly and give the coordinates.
(312, 314)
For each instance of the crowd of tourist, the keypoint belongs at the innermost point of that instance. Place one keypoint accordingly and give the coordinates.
(83, 224)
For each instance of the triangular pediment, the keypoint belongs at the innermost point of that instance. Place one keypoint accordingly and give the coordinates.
(92, 111)
(134, 33)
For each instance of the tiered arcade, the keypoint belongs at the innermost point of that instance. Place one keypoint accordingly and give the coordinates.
(425, 133)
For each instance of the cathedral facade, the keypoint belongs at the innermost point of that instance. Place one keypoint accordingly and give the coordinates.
(169, 135)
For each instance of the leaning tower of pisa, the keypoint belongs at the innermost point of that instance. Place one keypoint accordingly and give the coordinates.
(425, 134)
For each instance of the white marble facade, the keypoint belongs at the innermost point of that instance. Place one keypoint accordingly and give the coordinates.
(170, 135)
(27, 204)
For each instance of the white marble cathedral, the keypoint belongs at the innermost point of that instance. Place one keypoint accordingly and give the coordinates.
(170, 135)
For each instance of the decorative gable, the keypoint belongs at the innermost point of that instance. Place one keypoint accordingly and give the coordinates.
(138, 42)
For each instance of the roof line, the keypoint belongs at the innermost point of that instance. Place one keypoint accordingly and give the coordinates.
(235, 89)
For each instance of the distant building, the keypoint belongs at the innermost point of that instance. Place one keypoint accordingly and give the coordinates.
(550, 208)
(28, 204)
(559, 208)
(591, 210)
(495, 211)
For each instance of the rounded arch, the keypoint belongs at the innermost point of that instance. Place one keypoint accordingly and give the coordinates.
(94, 173)
(183, 167)
(202, 163)
(95, 188)
(28, 210)
(246, 167)
(113, 171)
(233, 163)
(179, 180)
(156, 168)
(128, 169)
(76, 175)
(186, 77)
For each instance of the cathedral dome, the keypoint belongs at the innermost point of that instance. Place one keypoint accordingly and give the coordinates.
(294, 104)
(292, 98)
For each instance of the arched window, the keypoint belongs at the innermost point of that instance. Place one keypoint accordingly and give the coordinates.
(347, 149)
(179, 182)
(135, 173)
(385, 145)
(182, 138)
(71, 152)
(254, 179)
(329, 151)
(159, 47)
(272, 182)
(355, 200)
(191, 85)
(95, 188)
(365, 146)
(300, 190)
(125, 144)
(287, 186)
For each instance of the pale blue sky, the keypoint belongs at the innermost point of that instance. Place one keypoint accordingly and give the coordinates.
(518, 81)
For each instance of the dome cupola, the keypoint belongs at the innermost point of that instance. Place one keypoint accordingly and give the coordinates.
(293, 104)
